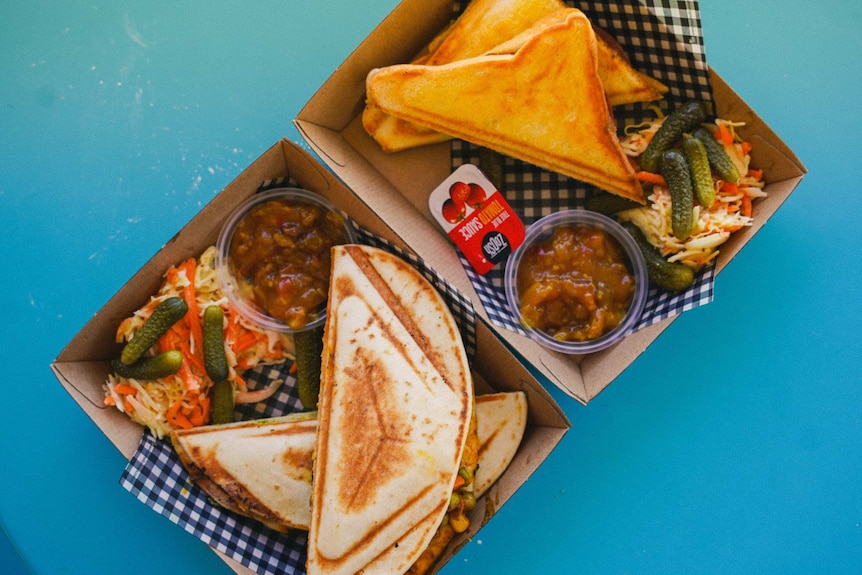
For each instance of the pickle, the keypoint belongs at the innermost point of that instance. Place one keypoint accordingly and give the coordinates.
(683, 119)
(674, 169)
(150, 367)
(720, 162)
(701, 175)
(308, 346)
(169, 312)
(215, 360)
(222, 402)
(610, 204)
(671, 276)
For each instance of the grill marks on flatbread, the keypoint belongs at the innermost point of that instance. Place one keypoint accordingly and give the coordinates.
(400, 303)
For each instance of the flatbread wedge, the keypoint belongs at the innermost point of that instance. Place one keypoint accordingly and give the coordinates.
(501, 419)
(544, 104)
(260, 469)
(396, 402)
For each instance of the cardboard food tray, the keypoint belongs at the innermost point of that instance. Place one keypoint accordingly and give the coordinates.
(82, 367)
(396, 186)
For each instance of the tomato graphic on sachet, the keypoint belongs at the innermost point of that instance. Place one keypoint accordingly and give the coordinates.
(476, 217)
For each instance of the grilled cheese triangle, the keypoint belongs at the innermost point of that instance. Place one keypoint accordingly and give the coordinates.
(543, 104)
(502, 26)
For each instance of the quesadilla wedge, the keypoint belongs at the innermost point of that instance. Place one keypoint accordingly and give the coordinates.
(260, 469)
(396, 401)
(543, 104)
(501, 419)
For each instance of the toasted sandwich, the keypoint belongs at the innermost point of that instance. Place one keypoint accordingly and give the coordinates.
(496, 26)
(543, 104)
(483, 25)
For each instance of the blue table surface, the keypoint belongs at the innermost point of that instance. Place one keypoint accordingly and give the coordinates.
(732, 445)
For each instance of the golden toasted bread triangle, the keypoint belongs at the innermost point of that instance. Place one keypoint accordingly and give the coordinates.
(543, 104)
(502, 26)
(483, 25)
(394, 411)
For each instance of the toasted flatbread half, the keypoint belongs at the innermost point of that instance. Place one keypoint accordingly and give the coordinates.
(543, 104)
(396, 398)
(260, 469)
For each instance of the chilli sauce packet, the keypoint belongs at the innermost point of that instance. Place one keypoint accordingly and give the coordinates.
(476, 217)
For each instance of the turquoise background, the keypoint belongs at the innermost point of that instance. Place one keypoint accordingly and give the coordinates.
(732, 445)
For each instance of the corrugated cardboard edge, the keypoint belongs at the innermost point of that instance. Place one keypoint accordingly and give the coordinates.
(82, 366)
(330, 124)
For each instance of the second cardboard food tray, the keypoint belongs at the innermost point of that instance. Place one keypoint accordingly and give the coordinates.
(396, 186)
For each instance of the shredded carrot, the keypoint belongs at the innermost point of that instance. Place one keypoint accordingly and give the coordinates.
(233, 331)
(110, 401)
(248, 340)
(180, 420)
(196, 417)
(723, 135)
(292, 367)
(746, 206)
(729, 188)
(125, 389)
(194, 360)
(205, 402)
(174, 408)
(757, 174)
(128, 407)
(746, 148)
(651, 178)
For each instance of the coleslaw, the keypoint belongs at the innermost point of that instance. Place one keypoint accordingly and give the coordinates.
(711, 227)
(182, 400)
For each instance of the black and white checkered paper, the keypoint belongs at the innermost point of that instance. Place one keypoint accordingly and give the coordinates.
(662, 38)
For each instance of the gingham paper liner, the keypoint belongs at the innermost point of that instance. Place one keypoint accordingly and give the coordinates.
(663, 39)
(156, 477)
